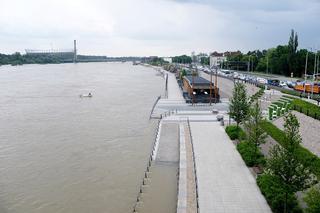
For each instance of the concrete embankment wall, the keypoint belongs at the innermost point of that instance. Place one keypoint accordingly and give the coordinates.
(159, 188)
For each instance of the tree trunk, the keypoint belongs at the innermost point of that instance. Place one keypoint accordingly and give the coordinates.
(285, 203)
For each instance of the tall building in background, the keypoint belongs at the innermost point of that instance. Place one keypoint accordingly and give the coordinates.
(217, 58)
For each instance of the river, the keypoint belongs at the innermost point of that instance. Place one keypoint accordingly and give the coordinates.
(63, 153)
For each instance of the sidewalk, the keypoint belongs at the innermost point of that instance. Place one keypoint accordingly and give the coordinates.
(174, 92)
(225, 183)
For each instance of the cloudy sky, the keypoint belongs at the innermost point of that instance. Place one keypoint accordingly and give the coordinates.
(156, 27)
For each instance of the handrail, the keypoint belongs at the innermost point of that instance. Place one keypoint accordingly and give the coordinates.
(154, 105)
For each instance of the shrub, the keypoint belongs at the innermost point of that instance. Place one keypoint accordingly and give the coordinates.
(257, 95)
(307, 158)
(235, 132)
(288, 97)
(272, 189)
(299, 94)
(312, 199)
(270, 113)
(249, 155)
(307, 108)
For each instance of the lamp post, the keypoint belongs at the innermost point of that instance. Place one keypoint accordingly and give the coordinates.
(192, 85)
(305, 73)
(210, 86)
(267, 64)
(314, 71)
(215, 86)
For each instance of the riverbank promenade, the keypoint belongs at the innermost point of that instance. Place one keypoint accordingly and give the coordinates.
(174, 92)
(224, 183)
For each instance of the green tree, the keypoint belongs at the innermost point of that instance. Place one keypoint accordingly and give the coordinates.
(312, 199)
(255, 134)
(293, 42)
(183, 59)
(183, 73)
(239, 104)
(284, 164)
(292, 53)
(204, 60)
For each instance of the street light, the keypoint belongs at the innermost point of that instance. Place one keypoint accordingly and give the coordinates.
(210, 86)
(305, 72)
(215, 86)
(193, 93)
(267, 64)
(314, 71)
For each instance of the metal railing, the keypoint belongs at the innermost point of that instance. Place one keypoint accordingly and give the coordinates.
(154, 105)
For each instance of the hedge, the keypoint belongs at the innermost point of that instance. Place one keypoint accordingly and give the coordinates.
(299, 94)
(256, 95)
(235, 132)
(248, 154)
(306, 108)
(273, 191)
(307, 158)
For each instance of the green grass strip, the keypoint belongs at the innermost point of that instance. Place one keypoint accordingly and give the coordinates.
(306, 157)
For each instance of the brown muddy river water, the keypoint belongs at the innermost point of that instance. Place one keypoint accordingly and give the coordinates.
(60, 153)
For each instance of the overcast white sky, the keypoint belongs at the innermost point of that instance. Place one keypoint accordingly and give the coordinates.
(156, 27)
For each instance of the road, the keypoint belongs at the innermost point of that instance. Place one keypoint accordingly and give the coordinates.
(226, 86)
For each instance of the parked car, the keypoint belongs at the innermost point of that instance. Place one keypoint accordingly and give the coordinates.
(283, 84)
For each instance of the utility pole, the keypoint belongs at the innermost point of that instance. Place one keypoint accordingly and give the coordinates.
(215, 86)
(192, 86)
(305, 72)
(252, 65)
(318, 65)
(314, 72)
(267, 64)
(211, 85)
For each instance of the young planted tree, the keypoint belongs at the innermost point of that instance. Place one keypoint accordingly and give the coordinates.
(255, 134)
(292, 54)
(239, 104)
(284, 165)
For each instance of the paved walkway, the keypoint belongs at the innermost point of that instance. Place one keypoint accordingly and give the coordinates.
(225, 183)
(174, 92)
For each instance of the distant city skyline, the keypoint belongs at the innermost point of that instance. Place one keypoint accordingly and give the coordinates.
(157, 27)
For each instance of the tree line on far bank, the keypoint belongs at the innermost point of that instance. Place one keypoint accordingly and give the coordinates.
(19, 59)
